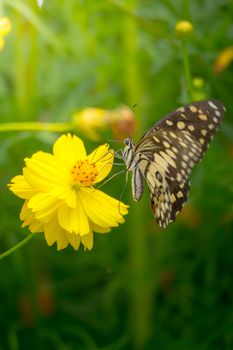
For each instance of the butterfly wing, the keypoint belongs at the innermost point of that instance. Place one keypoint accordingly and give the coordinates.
(168, 151)
(201, 113)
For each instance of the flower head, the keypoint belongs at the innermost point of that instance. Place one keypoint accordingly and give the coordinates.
(5, 28)
(223, 60)
(60, 199)
(198, 88)
(90, 121)
(183, 28)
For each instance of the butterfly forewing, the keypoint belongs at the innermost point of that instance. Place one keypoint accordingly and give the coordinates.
(202, 113)
(167, 152)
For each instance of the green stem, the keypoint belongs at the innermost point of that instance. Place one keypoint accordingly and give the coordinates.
(36, 126)
(187, 70)
(140, 291)
(17, 246)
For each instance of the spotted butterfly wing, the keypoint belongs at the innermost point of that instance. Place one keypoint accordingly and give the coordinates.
(166, 153)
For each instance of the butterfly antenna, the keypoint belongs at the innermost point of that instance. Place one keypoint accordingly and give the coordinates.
(115, 141)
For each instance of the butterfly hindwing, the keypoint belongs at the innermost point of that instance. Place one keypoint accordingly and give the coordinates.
(167, 152)
(178, 196)
(168, 193)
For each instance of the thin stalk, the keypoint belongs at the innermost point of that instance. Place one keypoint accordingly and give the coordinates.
(187, 73)
(37, 126)
(140, 299)
(17, 246)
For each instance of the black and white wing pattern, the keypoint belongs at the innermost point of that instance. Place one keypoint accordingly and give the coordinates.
(167, 152)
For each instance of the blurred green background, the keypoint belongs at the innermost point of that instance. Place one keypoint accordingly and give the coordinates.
(140, 287)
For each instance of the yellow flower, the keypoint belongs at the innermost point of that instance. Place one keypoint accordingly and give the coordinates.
(5, 26)
(223, 60)
(90, 121)
(184, 28)
(60, 199)
(198, 89)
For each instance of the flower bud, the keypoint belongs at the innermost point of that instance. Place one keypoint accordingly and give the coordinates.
(198, 83)
(223, 60)
(90, 121)
(198, 89)
(183, 28)
(5, 26)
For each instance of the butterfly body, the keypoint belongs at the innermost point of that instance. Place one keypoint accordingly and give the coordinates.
(166, 153)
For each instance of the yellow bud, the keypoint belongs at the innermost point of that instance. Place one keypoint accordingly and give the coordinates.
(183, 28)
(5, 26)
(91, 117)
(198, 89)
(90, 121)
(198, 83)
(2, 43)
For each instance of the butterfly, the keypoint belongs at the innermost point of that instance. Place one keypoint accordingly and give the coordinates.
(166, 154)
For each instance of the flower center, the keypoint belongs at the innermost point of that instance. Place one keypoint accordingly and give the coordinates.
(83, 173)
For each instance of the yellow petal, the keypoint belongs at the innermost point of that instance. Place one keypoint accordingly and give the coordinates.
(102, 209)
(36, 226)
(103, 158)
(74, 220)
(54, 233)
(62, 241)
(122, 208)
(25, 212)
(44, 206)
(99, 229)
(87, 241)
(21, 187)
(29, 220)
(69, 149)
(74, 240)
(51, 232)
(116, 206)
(69, 197)
(44, 172)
